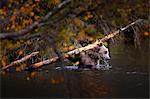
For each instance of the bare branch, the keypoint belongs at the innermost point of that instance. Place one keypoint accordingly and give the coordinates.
(34, 25)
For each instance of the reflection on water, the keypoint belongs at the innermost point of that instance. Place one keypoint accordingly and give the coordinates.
(127, 78)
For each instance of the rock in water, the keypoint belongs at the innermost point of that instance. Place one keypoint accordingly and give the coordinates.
(67, 68)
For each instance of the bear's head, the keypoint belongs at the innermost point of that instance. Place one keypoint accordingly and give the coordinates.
(104, 52)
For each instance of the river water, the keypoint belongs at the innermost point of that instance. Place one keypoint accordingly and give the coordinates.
(128, 78)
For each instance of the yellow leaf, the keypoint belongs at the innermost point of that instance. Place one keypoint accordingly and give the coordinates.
(1, 11)
(55, 2)
(18, 69)
(77, 22)
(7, 28)
(64, 44)
(36, 18)
(105, 43)
(16, 29)
(20, 52)
(65, 49)
(86, 18)
(71, 47)
(53, 81)
(2, 17)
(77, 63)
(9, 5)
(4, 13)
(66, 56)
(36, 30)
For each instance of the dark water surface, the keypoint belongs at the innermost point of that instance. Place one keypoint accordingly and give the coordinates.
(128, 78)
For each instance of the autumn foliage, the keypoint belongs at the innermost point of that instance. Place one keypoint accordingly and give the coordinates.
(77, 21)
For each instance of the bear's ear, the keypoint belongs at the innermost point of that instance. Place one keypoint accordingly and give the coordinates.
(100, 44)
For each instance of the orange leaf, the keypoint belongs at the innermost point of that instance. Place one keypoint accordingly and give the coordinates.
(32, 13)
(3, 63)
(33, 74)
(13, 18)
(13, 26)
(53, 81)
(146, 34)
(22, 9)
(36, 18)
(18, 69)
(20, 52)
(77, 63)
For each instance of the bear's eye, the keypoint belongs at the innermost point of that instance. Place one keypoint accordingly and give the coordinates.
(105, 52)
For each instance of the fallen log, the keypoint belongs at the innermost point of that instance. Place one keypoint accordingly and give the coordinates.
(78, 50)
(88, 47)
(20, 60)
